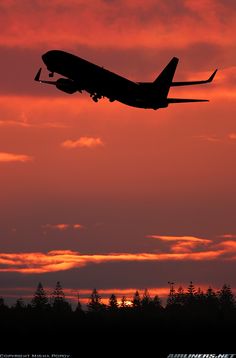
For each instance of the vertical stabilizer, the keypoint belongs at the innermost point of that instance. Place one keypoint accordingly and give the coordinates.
(164, 80)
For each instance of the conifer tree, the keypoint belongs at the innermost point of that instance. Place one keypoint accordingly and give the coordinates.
(156, 302)
(146, 300)
(211, 300)
(20, 304)
(136, 300)
(180, 296)
(79, 306)
(123, 302)
(40, 299)
(2, 303)
(3, 306)
(171, 297)
(59, 302)
(113, 304)
(95, 302)
(191, 289)
(226, 297)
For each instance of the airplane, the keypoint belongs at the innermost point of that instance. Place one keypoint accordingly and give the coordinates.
(81, 75)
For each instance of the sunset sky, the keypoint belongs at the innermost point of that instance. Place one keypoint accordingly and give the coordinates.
(101, 194)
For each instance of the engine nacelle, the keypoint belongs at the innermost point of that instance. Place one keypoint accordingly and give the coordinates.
(66, 85)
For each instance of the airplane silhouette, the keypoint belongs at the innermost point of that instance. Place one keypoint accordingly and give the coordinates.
(81, 75)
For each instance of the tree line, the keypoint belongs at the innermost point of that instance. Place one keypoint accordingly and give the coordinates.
(191, 320)
(191, 300)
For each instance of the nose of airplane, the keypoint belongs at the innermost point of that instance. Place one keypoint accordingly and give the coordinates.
(52, 56)
(46, 57)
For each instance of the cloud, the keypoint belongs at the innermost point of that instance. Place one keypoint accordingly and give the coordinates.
(13, 124)
(179, 238)
(77, 226)
(61, 260)
(60, 227)
(22, 124)
(209, 138)
(83, 142)
(12, 157)
(217, 139)
(182, 244)
(115, 23)
(232, 136)
(63, 227)
(228, 236)
(229, 248)
(181, 248)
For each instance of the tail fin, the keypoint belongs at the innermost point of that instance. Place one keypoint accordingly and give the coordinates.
(164, 80)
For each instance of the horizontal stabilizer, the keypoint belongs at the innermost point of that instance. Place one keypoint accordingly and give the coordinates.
(37, 78)
(185, 100)
(189, 83)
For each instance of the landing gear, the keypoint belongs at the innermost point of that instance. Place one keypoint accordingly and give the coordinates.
(95, 97)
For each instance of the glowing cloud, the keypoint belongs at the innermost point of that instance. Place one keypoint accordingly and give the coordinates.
(77, 226)
(62, 227)
(83, 142)
(228, 236)
(208, 138)
(232, 136)
(182, 244)
(61, 260)
(107, 17)
(180, 238)
(12, 157)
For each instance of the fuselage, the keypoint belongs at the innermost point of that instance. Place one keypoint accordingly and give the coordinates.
(98, 81)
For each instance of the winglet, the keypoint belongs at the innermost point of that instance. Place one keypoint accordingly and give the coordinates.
(37, 77)
(212, 76)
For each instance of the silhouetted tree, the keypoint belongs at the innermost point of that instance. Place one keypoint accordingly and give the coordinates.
(211, 296)
(123, 302)
(59, 302)
(226, 297)
(146, 300)
(191, 289)
(113, 304)
(95, 302)
(20, 304)
(3, 307)
(136, 302)
(156, 303)
(171, 297)
(2, 303)
(191, 294)
(180, 296)
(210, 303)
(79, 306)
(40, 299)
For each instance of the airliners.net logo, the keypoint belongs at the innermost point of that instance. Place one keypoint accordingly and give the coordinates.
(206, 355)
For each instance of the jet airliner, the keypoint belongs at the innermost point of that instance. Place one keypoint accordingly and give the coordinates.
(81, 75)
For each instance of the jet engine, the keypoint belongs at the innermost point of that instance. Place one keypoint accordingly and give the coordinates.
(66, 85)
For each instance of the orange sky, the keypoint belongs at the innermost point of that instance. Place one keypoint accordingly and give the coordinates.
(102, 179)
